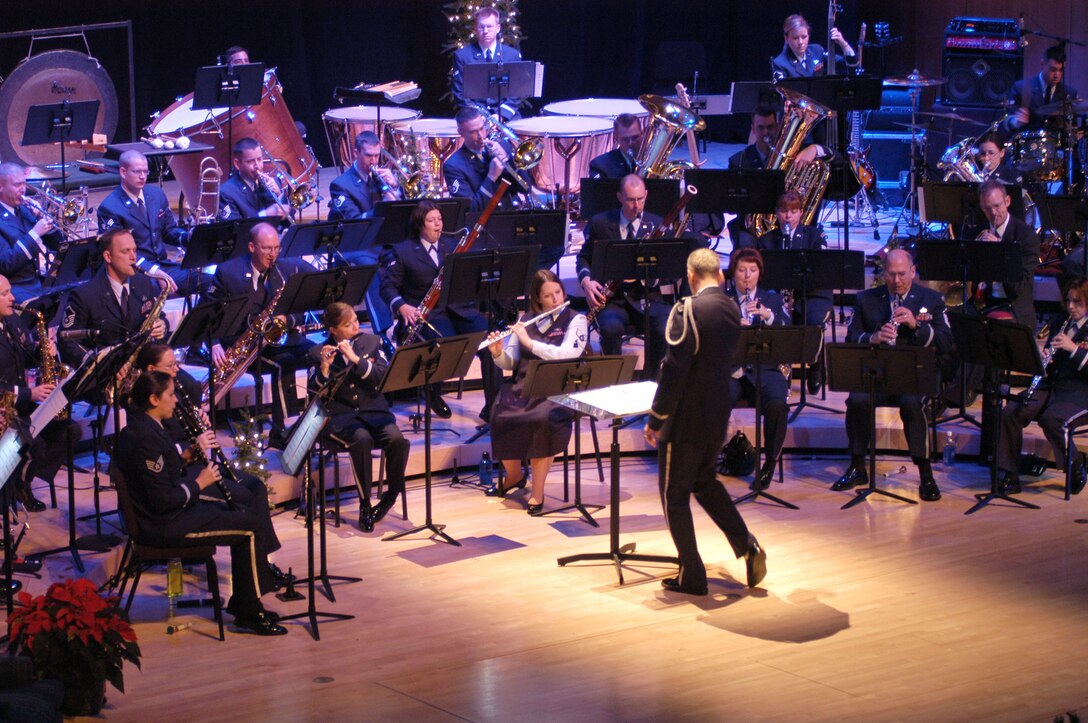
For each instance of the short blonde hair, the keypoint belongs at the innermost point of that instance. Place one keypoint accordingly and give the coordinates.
(704, 264)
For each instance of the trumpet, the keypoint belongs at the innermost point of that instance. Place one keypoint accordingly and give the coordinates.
(527, 152)
(500, 335)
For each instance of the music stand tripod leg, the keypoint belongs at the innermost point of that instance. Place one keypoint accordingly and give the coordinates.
(755, 494)
(862, 494)
(577, 504)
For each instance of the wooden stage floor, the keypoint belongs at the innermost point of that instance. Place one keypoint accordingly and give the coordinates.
(886, 611)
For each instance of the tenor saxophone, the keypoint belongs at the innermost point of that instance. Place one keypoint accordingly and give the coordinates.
(126, 377)
(50, 367)
(242, 352)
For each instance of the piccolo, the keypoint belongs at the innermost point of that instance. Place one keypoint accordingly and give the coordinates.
(500, 335)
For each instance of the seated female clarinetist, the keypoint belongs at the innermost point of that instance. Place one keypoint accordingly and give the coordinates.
(360, 416)
(534, 428)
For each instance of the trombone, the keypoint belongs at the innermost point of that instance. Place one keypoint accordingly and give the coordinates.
(64, 213)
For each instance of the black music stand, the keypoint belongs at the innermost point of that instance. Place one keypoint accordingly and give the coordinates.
(761, 345)
(156, 157)
(996, 344)
(559, 377)
(60, 123)
(298, 454)
(803, 269)
(495, 83)
(332, 238)
(1067, 214)
(734, 190)
(205, 322)
(599, 194)
(12, 443)
(214, 243)
(487, 279)
(965, 261)
(516, 229)
(956, 203)
(397, 217)
(887, 370)
(74, 262)
(422, 364)
(618, 555)
(97, 371)
(228, 86)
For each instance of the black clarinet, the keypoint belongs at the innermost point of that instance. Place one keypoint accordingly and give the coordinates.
(193, 424)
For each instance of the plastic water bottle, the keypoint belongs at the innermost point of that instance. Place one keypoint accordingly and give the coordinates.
(173, 583)
(949, 450)
(485, 470)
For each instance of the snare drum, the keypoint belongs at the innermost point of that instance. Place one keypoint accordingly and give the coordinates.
(269, 123)
(1038, 154)
(599, 108)
(342, 125)
(570, 143)
(432, 140)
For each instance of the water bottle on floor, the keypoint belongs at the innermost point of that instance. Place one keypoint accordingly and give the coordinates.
(485, 471)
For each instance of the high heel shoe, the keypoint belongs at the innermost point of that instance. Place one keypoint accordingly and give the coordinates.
(503, 490)
(534, 510)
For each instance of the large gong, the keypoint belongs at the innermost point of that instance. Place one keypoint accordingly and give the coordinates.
(48, 78)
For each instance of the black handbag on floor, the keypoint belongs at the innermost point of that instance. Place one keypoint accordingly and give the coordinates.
(738, 456)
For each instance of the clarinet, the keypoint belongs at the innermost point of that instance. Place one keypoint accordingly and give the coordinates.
(194, 424)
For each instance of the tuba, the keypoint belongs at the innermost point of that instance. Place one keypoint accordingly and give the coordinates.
(669, 122)
(799, 115)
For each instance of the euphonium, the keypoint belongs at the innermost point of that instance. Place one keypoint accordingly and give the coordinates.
(527, 151)
(126, 377)
(669, 122)
(50, 368)
(799, 116)
(412, 183)
(243, 351)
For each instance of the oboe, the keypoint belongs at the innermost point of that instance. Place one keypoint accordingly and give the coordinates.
(500, 335)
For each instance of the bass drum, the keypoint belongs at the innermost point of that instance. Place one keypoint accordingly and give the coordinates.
(45, 79)
(269, 123)
(1038, 154)
(570, 143)
(342, 125)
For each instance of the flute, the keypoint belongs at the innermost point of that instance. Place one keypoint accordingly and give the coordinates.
(500, 335)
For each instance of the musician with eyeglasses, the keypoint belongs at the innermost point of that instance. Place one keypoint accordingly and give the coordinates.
(902, 313)
(260, 274)
(19, 349)
(26, 237)
(991, 158)
(622, 313)
(474, 169)
(760, 306)
(1014, 294)
(173, 506)
(408, 271)
(1057, 401)
(360, 417)
(485, 48)
(144, 210)
(534, 429)
(247, 192)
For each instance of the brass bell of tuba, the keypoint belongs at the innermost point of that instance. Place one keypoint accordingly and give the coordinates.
(669, 121)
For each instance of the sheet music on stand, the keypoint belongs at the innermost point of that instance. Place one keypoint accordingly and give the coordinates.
(620, 400)
(11, 444)
(53, 405)
(302, 438)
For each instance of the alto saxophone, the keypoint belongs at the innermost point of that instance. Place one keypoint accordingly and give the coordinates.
(126, 377)
(242, 352)
(50, 369)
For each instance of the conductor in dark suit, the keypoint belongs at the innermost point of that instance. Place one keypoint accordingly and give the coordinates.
(409, 272)
(687, 423)
(245, 194)
(1060, 400)
(260, 275)
(474, 170)
(361, 419)
(18, 350)
(112, 304)
(898, 313)
(620, 161)
(1043, 89)
(623, 312)
(759, 307)
(1016, 293)
(145, 211)
(801, 59)
(24, 238)
(174, 506)
(485, 49)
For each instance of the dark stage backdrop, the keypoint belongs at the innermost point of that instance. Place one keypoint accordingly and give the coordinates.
(601, 48)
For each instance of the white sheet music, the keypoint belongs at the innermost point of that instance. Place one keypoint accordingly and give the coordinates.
(50, 408)
(10, 445)
(620, 400)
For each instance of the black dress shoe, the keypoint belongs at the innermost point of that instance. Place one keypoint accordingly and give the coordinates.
(439, 408)
(1080, 475)
(853, 477)
(672, 584)
(271, 615)
(259, 624)
(279, 577)
(389, 498)
(928, 489)
(366, 519)
(485, 414)
(503, 490)
(534, 510)
(755, 563)
(764, 479)
(30, 502)
(1008, 485)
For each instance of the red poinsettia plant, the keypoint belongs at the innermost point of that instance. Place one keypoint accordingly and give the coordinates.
(74, 635)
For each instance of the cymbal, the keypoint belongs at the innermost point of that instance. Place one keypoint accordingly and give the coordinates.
(914, 80)
(1064, 107)
(914, 126)
(954, 117)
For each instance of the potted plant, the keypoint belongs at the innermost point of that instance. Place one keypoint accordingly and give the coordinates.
(75, 635)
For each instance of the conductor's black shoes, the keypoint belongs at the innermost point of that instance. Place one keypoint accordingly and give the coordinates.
(755, 563)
